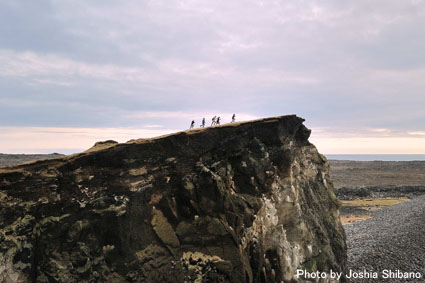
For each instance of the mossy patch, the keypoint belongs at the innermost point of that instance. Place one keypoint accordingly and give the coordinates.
(310, 265)
(350, 219)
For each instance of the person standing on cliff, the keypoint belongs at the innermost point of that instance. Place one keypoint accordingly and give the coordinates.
(203, 123)
(213, 121)
(218, 121)
(192, 124)
(233, 118)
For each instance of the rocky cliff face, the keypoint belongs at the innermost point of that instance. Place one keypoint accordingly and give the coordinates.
(246, 202)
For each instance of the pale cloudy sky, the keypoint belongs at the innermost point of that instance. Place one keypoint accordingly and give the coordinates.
(73, 72)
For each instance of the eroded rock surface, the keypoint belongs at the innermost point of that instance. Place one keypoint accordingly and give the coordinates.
(243, 202)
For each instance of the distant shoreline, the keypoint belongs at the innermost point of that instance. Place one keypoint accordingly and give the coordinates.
(16, 159)
(376, 157)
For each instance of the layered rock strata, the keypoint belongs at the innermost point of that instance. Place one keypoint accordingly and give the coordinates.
(242, 202)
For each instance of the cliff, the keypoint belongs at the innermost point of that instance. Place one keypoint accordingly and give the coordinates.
(242, 202)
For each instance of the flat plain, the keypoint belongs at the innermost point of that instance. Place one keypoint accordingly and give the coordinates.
(377, 173)
(16, 159)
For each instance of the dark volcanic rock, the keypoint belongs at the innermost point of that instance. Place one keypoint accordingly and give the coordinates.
(246, 202)
(345, 193)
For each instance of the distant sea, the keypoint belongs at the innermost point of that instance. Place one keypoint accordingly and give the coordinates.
(376, 157)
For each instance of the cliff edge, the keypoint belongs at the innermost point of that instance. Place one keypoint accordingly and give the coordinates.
(242, 202)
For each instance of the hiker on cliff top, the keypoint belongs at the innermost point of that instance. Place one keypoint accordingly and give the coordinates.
(218, 121)
(213, 121)
(233, 118)
(203, 123)
(192, 124)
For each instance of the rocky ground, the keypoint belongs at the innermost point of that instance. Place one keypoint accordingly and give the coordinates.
(380, 192)
(392, 239)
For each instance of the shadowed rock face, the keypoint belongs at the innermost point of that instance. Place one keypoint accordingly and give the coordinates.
(245, 202)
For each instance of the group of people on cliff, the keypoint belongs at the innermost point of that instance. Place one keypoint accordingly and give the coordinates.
(215, 121)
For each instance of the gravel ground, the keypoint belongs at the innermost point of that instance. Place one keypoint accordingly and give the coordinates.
(394, 239)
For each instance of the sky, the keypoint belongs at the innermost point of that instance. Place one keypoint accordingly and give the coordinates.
(74, 72)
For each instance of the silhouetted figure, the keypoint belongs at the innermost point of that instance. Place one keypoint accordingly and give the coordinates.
(203, 123)
(218, 121)
(233, 118)
(213, 122)
(192, 124)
